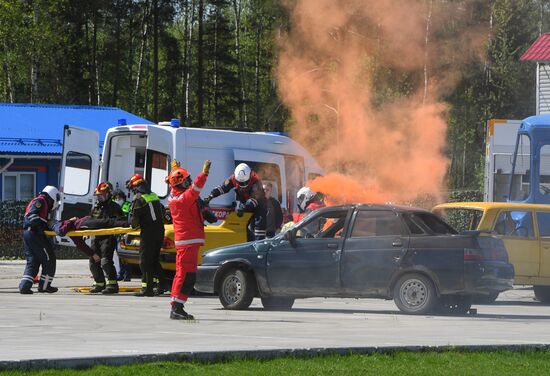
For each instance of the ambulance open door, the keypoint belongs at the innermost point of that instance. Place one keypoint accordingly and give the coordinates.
(79, 172)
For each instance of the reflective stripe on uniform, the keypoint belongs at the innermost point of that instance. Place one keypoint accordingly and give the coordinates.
(177, 300)
(152, 209)
(47, 255)
(189, 241)
(195, 188)
(28, 277)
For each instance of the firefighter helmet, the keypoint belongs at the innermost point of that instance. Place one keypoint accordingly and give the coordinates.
(242, 174)
(103, 191)
(135, 181)
(177, 176)
(304, 196)
(53, 193)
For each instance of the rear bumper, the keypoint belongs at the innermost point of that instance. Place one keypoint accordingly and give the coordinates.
(488, 277)
(205, 278)
(131, 256)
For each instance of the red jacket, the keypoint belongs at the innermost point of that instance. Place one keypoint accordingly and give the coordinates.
(314, 205)
(186, 215)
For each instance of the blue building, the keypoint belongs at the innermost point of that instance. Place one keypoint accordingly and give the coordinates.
(31, 142)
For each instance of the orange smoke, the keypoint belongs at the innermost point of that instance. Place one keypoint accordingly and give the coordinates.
(340, 69)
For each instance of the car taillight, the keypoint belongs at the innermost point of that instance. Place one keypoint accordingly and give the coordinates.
(472, 254)
(168, 243)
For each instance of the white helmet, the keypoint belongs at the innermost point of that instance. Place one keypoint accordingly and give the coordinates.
(304, 195)
(53, 193)
(242, 174)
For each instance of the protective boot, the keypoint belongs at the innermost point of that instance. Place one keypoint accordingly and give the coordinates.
(26, 291)
(45, 284)
(98, 287)
(145, 292)
(111, 288)
(178, 313)
(49, 289)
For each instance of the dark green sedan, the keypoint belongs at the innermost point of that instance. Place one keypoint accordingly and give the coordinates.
(361, 251)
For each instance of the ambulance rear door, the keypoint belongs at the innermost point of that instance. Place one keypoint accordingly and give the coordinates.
(160, 151)
(79, 172)
(270, 167)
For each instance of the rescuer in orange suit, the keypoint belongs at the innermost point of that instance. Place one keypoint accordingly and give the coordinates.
(307, 201)
(186, 211)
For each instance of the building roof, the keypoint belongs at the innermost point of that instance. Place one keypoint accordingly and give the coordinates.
(540, 50)
(38, 128)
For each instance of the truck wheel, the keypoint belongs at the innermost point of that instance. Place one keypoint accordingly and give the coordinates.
(485, 299)
(455, 304)
(277, 303)
(236, 289)
(542, 293)
(415, 294)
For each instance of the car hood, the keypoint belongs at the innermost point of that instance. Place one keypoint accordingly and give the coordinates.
(250, 247)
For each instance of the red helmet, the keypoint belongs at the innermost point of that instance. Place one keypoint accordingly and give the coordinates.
(102, 188)
(177, 176)
(135, 181)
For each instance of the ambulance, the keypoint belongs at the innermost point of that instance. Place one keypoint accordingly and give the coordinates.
(147, 149)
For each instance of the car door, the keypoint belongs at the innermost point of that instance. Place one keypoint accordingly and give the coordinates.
(515, 228)
(373, 252)
(309, 265)
(543, 224)
(79, 171)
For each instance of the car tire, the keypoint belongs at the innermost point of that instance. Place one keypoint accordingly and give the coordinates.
(415, 294)
(542, 293)
(277, 303)
(236, 289)
(455, 304)
(485, 299)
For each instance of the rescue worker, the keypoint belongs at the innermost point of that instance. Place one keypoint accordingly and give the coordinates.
(308, 201)
(250, 198)
(188, 220)
(147, 214)
(104, 245)
(37, 247)
(124, 273)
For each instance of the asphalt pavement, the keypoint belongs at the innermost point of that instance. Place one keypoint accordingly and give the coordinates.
(78, 328)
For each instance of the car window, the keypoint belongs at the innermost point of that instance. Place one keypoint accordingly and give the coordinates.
(325, 225)
(461, 219)
(412, 226)
(433, 223)
(514, 224)
(543, 221)
(376, 223)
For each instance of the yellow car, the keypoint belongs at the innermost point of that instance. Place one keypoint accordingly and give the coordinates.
(231, 231)
(524, 228)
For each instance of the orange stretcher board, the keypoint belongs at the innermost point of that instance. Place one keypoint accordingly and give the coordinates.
(95, 232)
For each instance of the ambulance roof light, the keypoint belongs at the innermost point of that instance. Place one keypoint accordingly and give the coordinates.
(122, 122)
(175, 123)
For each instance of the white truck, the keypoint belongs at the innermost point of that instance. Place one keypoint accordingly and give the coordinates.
(148, 149)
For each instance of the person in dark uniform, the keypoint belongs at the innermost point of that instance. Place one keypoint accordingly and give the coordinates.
(37, 247)
(147, 214)
(121, 199)
(250, 198)
(105, 245)
(274, 213)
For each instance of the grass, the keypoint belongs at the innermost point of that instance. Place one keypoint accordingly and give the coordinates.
(400, 363)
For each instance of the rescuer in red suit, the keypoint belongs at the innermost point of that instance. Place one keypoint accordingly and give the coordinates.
(188, 221)
(307, 201)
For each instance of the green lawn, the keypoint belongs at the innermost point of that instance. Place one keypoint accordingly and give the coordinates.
(403, 363)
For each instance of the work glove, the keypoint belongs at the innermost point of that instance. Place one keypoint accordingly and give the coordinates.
(206, 167)
(240, 211)
(174, 164)
(207, 200)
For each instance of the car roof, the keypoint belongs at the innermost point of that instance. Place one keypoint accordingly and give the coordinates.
(490, 205)
(365, 206)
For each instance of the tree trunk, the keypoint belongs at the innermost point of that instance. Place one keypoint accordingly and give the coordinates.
(117, 72)
(189, 10)
(155, 61)
(95, 64)
(257, 76)
(34, 58)
(141, 54)
(426, 41)
(200, 62)
(237, 8)
(215, 78)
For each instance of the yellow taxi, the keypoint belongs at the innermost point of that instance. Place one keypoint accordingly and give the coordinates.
(231, 231)
(524, 228)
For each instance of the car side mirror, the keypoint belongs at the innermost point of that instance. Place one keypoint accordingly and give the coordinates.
(290, 235)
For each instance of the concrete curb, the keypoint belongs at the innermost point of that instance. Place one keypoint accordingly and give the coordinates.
(217, 356)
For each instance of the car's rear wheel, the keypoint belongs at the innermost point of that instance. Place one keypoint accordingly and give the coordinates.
(485, 299)
(236, 289)
(415, 294)
(542, 293)
(455, 304)
(277, 303)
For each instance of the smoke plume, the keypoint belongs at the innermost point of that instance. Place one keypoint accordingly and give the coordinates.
(364, 81)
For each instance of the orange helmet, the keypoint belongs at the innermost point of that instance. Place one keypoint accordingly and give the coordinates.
(135, 181)
(102, 188)
(177, 176)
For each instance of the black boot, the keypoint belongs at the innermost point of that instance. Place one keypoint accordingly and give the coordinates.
(145, 292)
(97, 288)
(26, 291)
(49, 289)
(178, 313)
(110, 289)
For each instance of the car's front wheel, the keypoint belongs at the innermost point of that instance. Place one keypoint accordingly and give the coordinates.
(415, 294)
(277, 303)
(236, 289)
(542, 293)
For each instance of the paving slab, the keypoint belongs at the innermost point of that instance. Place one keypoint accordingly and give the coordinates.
(69, 324)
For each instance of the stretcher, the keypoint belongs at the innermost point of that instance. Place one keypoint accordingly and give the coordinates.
(95, 232)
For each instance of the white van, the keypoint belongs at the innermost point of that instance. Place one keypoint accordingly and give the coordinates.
(148, 150)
